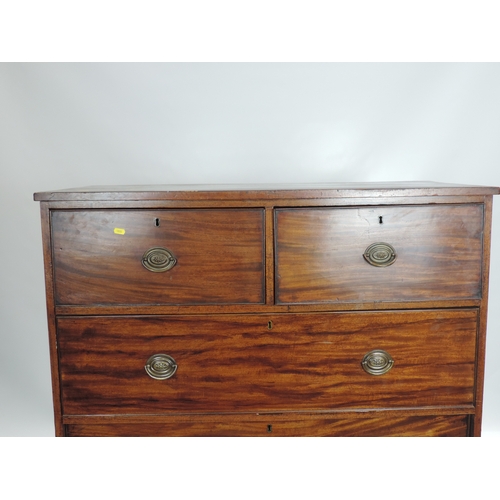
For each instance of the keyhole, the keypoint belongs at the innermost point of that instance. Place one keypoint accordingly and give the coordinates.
(269, 428)
(269, 325)
(157, 222)
(380, 221)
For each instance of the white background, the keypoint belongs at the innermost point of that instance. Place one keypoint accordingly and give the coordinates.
(75, 124)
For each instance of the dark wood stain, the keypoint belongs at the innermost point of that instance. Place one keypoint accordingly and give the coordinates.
(408, 426)
(220, 256)
(235, 363)
(269, 309)
(320, 253)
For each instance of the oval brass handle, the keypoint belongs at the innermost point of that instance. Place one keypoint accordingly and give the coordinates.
(161, 366)
(158, 260)
(380, 254)
(377, 362)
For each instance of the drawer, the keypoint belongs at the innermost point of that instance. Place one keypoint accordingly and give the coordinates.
(120, 256)
(327, 255)
(270, 425)
(252, 363)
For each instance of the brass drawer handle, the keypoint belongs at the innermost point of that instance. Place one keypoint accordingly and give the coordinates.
(158, 260)
(380, 254)
(377, 362)
(161, 366)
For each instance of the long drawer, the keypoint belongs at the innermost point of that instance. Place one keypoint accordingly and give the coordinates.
(289, 426)
(280, 362)
(378, 254)
(158, 256)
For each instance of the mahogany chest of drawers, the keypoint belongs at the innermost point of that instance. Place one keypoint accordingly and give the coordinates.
(315, 310)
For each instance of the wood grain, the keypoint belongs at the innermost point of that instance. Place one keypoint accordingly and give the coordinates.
(51, 319)
(245, 192)
(220, 256)
(319, 253)
(268, 426)
(269, 309)
(237, 363)
(481, 349)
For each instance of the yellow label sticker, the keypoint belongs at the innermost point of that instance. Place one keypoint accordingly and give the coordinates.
(119, 230)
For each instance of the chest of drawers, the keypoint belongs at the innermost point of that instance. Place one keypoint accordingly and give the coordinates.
(287, 310)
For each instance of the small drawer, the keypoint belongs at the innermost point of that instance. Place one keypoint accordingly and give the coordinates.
(378, 254)
(252, 363)
(290, 426)
(158, 256)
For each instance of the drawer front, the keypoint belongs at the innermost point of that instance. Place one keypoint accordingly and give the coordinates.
(324, 254)
(101, 256)
(407, 426)
(253, 363)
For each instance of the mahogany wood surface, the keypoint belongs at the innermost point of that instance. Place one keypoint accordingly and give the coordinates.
(267, 426)
(269, 309)
(269, 362)
(481, 349)
(51, 316)
(319, 253)
(220, 256)
(245, 192)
